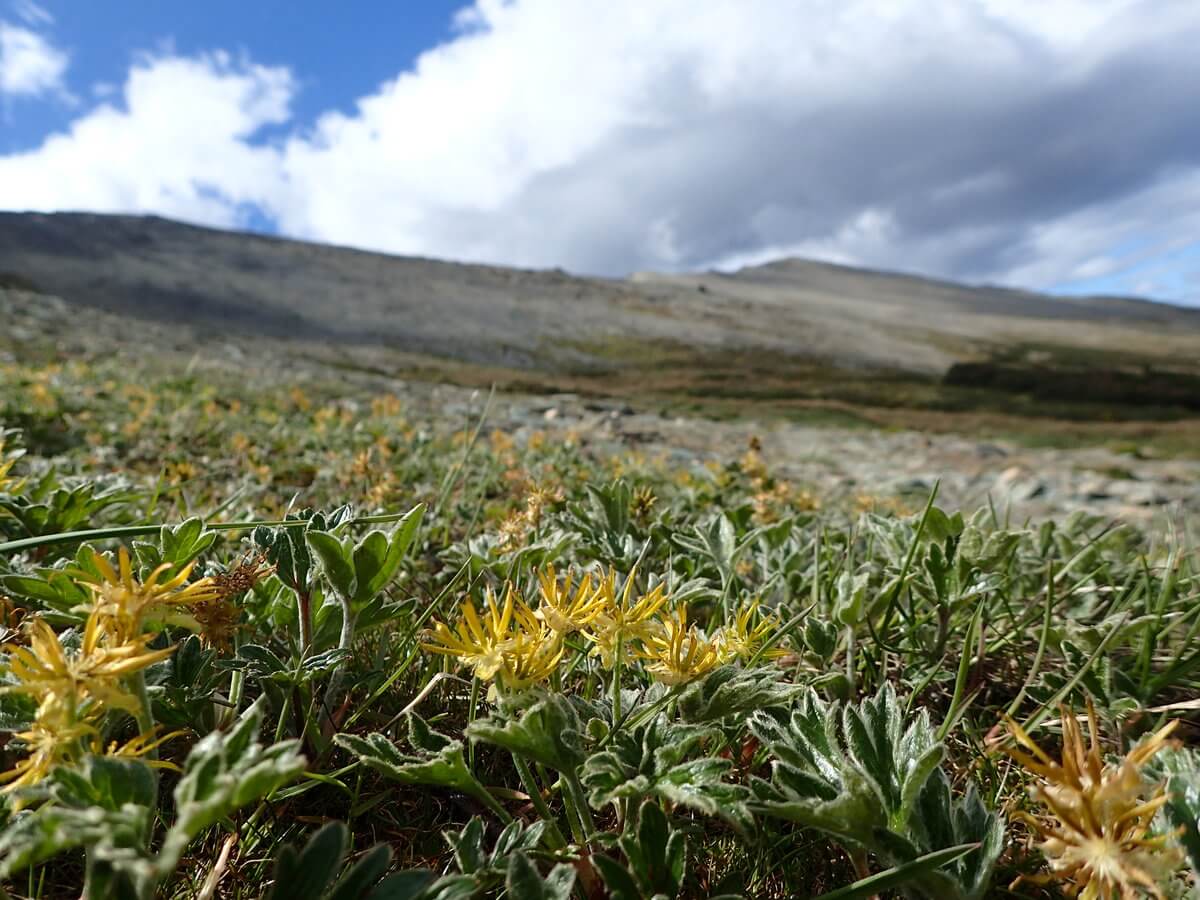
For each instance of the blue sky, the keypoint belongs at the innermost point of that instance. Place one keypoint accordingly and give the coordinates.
(1054, 146)
(338, 53)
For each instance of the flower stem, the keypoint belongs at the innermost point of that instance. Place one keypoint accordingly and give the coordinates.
(337, 678)
(616, 683)
(145, 720)
(474, 703)
(575, 791)
(554, 838)
(578, 830)
(484, 796)
(304, 613)
(145, 715)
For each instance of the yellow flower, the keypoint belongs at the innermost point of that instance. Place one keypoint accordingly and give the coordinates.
(138, 747)
(1095, 836)
(680, 653)
(530, 657)
(72, 689)
(742, 638)
(51, 740)
(623, 620)
(507, 641)
(641, 505)
(563, 611)
(478, 640)
(125, 606)
(48, 673)
(7, 461)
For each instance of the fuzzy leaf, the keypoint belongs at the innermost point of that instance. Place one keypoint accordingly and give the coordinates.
(549, 733)
(377, 556)
(336, 558)
(367, 870)
(651, 761)
(729, 691)
(524, 882)
(1180, 767)
(437, 761)
(223, 773)
(306, 875)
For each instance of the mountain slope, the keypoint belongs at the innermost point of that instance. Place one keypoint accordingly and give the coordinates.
(781, 328)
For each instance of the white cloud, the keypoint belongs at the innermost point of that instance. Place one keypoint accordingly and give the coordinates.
(992, 139)
(30, 64)
(180, 144)
(894, 133)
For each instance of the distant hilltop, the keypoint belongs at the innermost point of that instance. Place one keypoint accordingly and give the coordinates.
(787, 325)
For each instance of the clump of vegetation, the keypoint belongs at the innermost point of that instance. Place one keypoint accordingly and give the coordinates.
(267, 641)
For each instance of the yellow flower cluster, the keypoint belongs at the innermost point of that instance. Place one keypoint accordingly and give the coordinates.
(73, 689)
(519, 646)
(1096, 835)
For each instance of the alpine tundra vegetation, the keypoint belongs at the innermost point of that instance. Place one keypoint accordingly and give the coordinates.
(260, 640)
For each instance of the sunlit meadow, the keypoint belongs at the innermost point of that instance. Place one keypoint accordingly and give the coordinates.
(265, 640)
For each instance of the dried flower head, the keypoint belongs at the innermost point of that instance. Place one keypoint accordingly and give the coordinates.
(218, 616)
(1096, 833)
(250, 570)
(537, 499)
(11, 615)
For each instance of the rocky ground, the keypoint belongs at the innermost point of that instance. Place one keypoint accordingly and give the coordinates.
(1021, 481)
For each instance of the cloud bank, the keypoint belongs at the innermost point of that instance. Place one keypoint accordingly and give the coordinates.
(999, 140)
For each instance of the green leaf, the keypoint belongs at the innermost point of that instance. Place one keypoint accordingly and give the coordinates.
(524, 882)
(306, 875)
(549, 733)
(438, 760)
(409, 885)
(898, 876)
(336, 560)
(656, 852)
(377, 557)
(863, 782)
(729, 691)
(489, 866)
(224, 772)
(374, 566)
(369, 868)
(467, 846)
(813, 782)
(620, 883)
(32, 837)
(651, 761)
(1180, 767)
